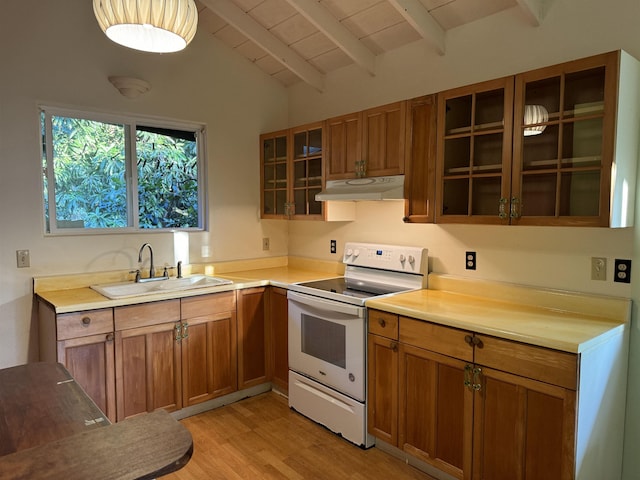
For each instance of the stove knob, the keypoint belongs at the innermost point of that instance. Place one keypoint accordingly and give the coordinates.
(349, 252)
(356, 252)
(411, 260)
(402, 259)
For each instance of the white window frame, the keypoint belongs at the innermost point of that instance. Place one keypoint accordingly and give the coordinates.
(130, 124)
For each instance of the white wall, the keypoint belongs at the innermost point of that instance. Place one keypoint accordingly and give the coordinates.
(54, 53)
(503, 44)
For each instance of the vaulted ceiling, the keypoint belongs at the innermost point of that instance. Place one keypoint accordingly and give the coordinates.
(302, 40)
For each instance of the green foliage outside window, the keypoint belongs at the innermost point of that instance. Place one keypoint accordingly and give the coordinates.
(91, 162)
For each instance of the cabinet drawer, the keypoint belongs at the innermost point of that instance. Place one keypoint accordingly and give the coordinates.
(207, 304)
(383, 323)
(538, 363)
(132, 316)
(82, 324)
(436, 338)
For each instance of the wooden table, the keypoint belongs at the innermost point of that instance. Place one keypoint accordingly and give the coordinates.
(49, 428)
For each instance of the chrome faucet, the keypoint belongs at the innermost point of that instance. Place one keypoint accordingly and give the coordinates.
(151, 267)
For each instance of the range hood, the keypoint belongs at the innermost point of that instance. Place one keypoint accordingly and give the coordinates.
(369, 188)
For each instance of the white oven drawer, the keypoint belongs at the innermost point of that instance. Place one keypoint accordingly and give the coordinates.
(337, 412)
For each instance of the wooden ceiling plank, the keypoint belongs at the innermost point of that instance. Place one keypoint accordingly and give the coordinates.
(419, 18)
(236, 17)
(324, 21)
(535, 10)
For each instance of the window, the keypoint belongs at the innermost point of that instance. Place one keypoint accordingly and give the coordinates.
(114, 174)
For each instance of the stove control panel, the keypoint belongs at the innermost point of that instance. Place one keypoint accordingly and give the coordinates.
(400, 258)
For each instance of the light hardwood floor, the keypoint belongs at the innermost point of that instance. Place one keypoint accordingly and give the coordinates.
(261, 437)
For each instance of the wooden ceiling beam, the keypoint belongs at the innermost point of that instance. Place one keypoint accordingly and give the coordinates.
(237, 18)
(421, 20)
(535, 10)
(336, 32)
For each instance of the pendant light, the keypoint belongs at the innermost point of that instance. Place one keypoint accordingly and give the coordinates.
(533, 115)
(158, 26)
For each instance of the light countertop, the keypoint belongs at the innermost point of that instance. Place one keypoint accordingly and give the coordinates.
(567, 321)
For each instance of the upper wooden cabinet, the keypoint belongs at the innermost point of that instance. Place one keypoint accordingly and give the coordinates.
(274, 168)
(370, 143)
(291, 163)
(474, 152)
(571, 151)
(420, 160)
(551, 146)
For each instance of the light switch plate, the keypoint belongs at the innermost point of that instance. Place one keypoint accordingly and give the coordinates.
(22, 258)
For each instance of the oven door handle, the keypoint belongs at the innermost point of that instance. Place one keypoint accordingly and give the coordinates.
(326, 305)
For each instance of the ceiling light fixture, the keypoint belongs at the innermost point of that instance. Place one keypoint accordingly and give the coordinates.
(533, 115)
(158, 26)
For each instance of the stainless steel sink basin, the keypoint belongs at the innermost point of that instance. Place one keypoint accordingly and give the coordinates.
(132, 289)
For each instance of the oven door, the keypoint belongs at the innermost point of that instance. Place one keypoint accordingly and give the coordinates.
(327, 342)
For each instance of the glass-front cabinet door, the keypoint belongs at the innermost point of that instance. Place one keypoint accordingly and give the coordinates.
(306, 171)
(564, 121)
(291, 173)
(474, 153)
(274, 164)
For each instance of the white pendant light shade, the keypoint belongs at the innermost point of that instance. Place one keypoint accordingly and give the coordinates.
(534, 114)
(158, 26)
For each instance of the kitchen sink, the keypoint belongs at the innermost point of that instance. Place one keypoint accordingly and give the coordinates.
(132, 289)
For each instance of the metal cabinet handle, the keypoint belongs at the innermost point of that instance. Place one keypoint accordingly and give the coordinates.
(516, 207)
(477, 342)
(477, 385)
(110, 337)
(394, 347)
(467, 375)
(185, 332)
(502, 208)
(178, 332)
(468, 339)
(86, 321)
(382, 323)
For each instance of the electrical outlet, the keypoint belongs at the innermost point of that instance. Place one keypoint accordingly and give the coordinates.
(265, 243)
(622, 271)
(333, 246)
(598, 268)
(470, 260)
(22, 258)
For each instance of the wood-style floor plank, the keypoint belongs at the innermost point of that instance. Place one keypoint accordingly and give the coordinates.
(261, 438)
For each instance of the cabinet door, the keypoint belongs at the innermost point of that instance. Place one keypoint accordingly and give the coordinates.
(148, 369)
(563, 143)
(343, 146)
(420, 160)
(90, 361)
(306, 172)
(382, 380)
(209, 357)
(523, 429)
(435, 406)
(279, 344)
(252, 334)
(474, 153)
(273, 174)
(383, 137)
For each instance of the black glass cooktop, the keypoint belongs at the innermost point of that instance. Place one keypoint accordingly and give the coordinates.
(352, 288)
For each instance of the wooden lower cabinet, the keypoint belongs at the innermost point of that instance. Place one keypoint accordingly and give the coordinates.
(252, 333)
(523, 429)
(278, 351)
(209, 353)
(84, 343)
(471, 421)
(148, 369)
(170, 354)
(435, 410)
(382, 380)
